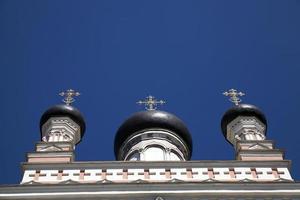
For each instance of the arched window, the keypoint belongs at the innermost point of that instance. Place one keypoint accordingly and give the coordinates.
(134, 156)
(154, 153)
(174, 156)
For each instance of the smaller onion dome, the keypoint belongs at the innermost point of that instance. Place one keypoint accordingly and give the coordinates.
(241, 110)
(64, 111)
(148, 120)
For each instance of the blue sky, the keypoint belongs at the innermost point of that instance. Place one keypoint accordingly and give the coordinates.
(117, 52)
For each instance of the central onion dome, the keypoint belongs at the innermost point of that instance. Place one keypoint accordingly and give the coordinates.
(153, 135)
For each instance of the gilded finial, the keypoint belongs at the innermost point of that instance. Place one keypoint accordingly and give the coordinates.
(150, 102)
(69, 96)
(234, 96)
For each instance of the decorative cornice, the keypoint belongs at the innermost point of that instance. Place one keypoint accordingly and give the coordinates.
(154, 164)
(128, 191)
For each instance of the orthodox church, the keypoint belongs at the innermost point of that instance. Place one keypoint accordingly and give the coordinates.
(153, 149)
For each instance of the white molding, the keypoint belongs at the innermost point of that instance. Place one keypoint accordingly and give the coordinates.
(161, 174)
(202, 192)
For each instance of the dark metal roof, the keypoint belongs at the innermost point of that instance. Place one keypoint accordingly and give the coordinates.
(64, 111)
(152, 119)
(241, 110)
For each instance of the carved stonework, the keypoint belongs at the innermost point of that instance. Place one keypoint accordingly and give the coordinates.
(254, 145)
(262, 150)
(51, 148)
(54, 146)
(61, 129)
(245, 129)
(258, 146)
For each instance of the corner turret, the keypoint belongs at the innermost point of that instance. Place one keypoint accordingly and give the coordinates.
(244, 126)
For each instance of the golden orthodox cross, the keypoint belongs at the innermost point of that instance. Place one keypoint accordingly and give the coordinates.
(234, 96)
(150, 102)
(68, 96)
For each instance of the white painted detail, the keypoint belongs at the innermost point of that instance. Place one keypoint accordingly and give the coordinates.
(174, 156)
(114, 174)
(154, 153)
(157, 174)
(264, 173)
(135, 174)
(72, 175)
(61, 129)
(284, 173)
(222, 174)
(242, 173)
(48, 177)
(94, 175)
(200, 173)
(28, 176)
(135, 156)
(245, 129)
(154, 145)
(178, 173)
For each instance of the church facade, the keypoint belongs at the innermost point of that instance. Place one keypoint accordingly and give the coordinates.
(153, 149)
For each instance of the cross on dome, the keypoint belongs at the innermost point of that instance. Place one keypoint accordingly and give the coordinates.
(234, 96)
(68, 96)
(151, 103)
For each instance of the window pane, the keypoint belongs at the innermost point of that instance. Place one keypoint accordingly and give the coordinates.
(154, 153)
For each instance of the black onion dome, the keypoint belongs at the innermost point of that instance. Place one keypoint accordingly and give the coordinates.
(64, 111)
(152, 119)
(241, 110)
